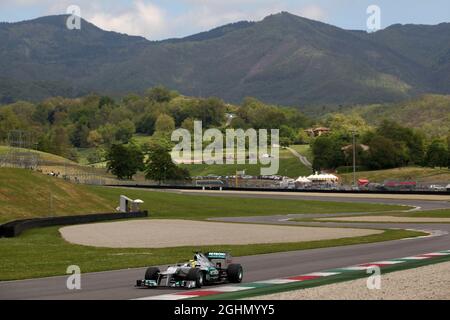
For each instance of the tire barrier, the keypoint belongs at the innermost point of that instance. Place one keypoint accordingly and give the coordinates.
(15, 228)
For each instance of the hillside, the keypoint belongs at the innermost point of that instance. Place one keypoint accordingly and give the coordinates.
(432, 51)
(25, 194)
(290, 166)
(431, 113)
(425, 175)
(42, 155)
(283, 59)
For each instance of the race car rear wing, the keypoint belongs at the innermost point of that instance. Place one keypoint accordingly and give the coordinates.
(220, 259)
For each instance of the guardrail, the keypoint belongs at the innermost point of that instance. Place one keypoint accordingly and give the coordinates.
(15, 228)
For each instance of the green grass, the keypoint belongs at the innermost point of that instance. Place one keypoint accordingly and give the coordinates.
(26, 194)
(43, 155)
(289, 166)
(172, 205)
(443, 213)
(402, 174)
(141, 139)
(429, 214)
(304, 150)
(42, 252)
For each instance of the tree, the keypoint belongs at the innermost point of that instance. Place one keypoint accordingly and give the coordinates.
(125, 131)
(160, 94)
(260, 115)
(160, 167)
(108, 133)
(164, 124)
(105, 101)
(146, 123)
(437, 154)
(188, 124)
(448, 150)
(346, 123)
(94, 138)
(8, 121)
(56, 141)
(125, 161)
(287, 134)
(411, 140)
(211, 112)
(285, 142)
(303, 137)
(327, 151)
(96, 156)
(79, 136)
(385, 154)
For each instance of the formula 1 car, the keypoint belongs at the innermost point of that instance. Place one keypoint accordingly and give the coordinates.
(204, 269)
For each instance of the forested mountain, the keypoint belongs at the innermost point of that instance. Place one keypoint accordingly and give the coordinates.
(283, 59)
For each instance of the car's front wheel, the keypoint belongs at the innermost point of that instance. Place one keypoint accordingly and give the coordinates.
(197, 276)
(152, 273)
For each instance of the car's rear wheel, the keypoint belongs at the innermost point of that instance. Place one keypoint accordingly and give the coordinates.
(152, 273)
(235, 273)
(197, 276)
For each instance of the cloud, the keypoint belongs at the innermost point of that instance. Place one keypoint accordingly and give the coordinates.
(144, 19)
(158, 20)
(313, 12)
(202, 15)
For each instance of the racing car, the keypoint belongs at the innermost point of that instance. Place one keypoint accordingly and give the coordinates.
(204, 269)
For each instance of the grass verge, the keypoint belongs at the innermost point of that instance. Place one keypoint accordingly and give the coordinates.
(27, 194)
(444, 213)
(172, 205)
(42, 252)
(435, 214)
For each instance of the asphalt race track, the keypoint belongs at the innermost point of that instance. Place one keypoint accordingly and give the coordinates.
(120, 284)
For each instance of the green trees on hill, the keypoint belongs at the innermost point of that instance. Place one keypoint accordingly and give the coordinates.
(327, 151)
(384, 153)
(437, 154)
(125, 161)
(61, 126)
(390, 145)
(159, 166)
(255, 114)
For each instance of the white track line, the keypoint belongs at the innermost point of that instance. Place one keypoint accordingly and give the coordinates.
(168, 297)
(232, 288)
(322, 274)
(276, 281)
(387, 262)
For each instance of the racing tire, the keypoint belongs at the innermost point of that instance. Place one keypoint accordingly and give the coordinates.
(152, 273)
(235, 273)
(197, 276)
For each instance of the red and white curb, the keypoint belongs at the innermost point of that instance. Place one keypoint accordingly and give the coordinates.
(287, 280)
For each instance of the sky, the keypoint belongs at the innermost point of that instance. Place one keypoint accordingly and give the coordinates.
(162, 19)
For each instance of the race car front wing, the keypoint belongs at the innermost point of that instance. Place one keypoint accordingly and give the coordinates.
(175, 284)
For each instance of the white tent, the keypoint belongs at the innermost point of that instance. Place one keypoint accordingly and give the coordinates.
(303, 180)
(322, 177)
